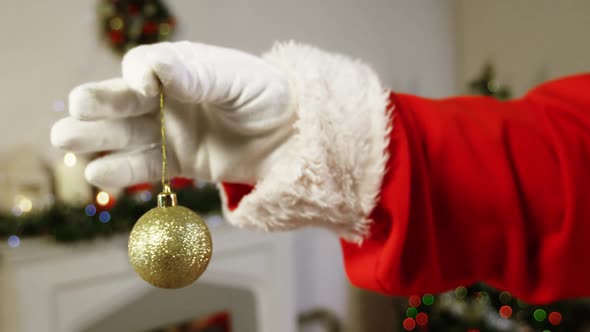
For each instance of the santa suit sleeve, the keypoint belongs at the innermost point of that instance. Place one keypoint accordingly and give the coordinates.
(482, 190)
(455, 191)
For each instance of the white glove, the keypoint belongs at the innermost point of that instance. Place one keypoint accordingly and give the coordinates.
(309, 129)
(227, 113)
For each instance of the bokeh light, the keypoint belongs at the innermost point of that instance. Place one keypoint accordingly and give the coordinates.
(409, 324)
(411, 312)
(22, 205)
(428, 299)
(104, 217)
(90, 210)
(422, 319)
(25, 204)
(540, 315)
(102, 198)
(13, 241)
(555, 318)
(505, 311)
(70, 159)
(414, 301)
(145, 196)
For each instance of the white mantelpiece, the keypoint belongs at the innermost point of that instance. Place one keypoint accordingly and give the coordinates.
(53, 287)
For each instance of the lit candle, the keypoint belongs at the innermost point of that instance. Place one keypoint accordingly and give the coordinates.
(70, 185)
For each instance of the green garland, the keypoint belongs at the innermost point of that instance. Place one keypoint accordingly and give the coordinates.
(68, 223)
(487, 85)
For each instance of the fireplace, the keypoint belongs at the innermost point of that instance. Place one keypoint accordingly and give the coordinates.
(91, 287)
(162, 310)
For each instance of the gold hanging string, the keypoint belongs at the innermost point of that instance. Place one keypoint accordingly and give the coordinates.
(165, 178)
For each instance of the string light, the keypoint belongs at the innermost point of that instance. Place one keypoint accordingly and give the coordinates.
(13, 241)
(409, 324)
(25, 205)
(555, 318)
(21, 205)
(506, 311)
(428, 299)
(70, 159)
(145, 196)
(422, 319)
(90, 210)
(102, 198)
(414, 301)
(540, 315)
(411, 312)
(104, 217)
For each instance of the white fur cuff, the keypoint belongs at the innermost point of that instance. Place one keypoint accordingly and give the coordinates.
(332, 171)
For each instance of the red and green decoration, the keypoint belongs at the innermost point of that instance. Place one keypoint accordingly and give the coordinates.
(74, 223)
(479, 307)
(129, 23)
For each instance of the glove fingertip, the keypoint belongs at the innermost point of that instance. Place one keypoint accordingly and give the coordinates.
(100, 174)
(137, 72)
(81, 102)
(60, 136)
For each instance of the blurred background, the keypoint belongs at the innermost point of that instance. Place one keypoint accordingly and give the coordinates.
(63, 263)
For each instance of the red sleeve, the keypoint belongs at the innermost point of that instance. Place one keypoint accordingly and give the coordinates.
(483, 190)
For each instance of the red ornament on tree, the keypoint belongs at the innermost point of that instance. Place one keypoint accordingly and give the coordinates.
(150, 28)
(116, 37)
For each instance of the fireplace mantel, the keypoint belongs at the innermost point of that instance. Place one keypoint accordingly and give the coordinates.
(53, 287)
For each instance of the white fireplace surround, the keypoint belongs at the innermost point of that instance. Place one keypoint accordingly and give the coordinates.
(90, 287)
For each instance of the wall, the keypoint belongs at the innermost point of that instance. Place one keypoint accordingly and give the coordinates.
(529, 41)
(52, 46)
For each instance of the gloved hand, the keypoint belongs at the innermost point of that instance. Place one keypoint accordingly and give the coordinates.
(308, 129)
(227, 114)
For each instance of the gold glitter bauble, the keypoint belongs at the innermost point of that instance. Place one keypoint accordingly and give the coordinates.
(170, 246)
